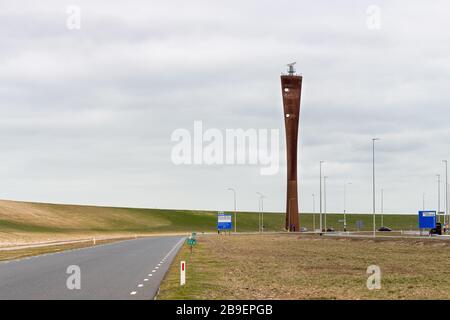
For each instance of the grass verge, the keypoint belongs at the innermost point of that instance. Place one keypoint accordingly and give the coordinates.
(309, 267)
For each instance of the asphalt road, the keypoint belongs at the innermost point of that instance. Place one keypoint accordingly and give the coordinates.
(131, 269)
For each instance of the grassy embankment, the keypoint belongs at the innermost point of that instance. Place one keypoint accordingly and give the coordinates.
(24, 222)
(27, 222)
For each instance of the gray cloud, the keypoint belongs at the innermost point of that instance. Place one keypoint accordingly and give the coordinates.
(86, 115)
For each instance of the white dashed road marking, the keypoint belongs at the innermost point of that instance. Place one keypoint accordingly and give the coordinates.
(157, 267)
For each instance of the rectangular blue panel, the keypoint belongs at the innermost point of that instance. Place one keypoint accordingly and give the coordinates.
(224, 221)
(427, 219)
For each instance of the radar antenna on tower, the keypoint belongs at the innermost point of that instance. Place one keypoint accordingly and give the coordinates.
(291, 69)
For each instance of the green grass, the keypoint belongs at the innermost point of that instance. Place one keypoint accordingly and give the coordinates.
(393, 221)
(72, 219)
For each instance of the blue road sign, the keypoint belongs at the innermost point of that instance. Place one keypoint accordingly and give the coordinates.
(359, 224)
(427, 219)
(224, 222)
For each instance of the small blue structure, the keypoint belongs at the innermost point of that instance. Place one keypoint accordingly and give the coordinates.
(224, 222)
(427, 219)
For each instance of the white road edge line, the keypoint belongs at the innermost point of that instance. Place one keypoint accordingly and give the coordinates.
(157, 267)
(167, 256)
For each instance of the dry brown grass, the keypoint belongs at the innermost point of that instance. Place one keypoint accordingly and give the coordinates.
(28, 252)
(65, 216)
(303, 267)
(25, 222)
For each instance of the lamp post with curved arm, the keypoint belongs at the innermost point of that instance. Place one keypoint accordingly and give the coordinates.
(235, 215)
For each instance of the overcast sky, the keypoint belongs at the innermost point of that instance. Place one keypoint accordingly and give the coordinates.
(86, 115)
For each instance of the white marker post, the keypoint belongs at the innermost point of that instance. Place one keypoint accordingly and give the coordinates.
(183, 273)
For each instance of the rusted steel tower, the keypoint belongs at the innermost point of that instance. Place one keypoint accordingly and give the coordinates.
(291, 86)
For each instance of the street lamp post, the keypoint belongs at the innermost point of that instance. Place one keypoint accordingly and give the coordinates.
(423, 201)
(259, 214)
(261, 204)
(320, 205)
(439, 196)
(446, 191)
(235, 215)
(325, 202)
(262, 214)
(314, 212)
(382, 207)
(345, 205)
(373, 186)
